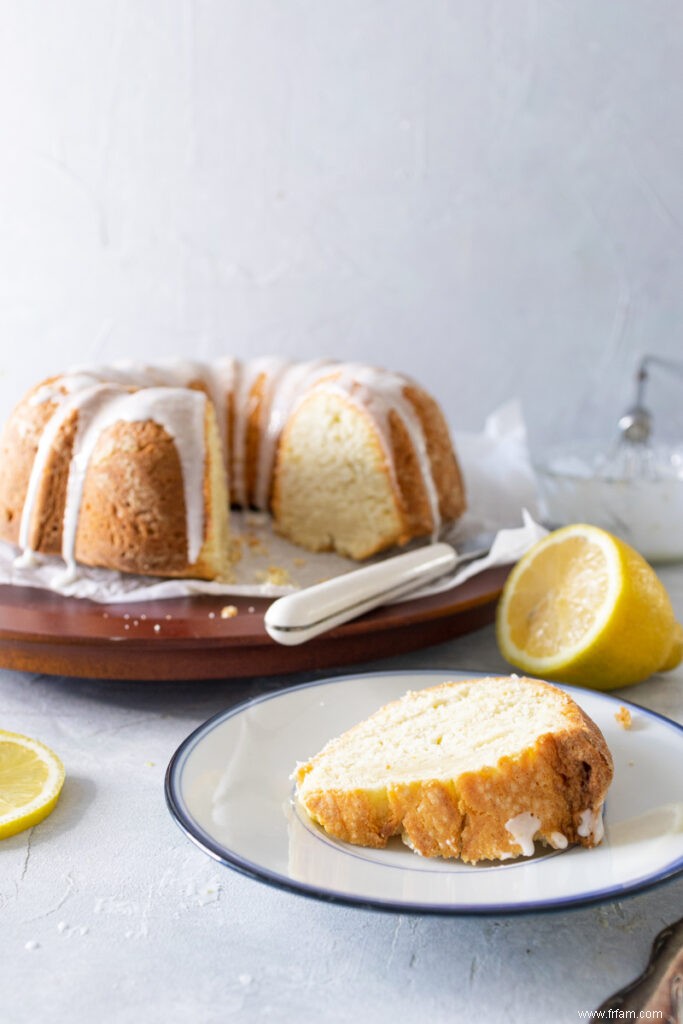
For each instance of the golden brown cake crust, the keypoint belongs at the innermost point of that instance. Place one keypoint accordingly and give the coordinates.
(561, 779)
(18, 446)
(133, 510)
(445, 468)
(132, 515)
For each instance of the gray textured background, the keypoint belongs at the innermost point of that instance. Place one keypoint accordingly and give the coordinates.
(488, 195)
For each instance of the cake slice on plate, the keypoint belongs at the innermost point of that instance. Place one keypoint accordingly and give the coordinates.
(478, 769)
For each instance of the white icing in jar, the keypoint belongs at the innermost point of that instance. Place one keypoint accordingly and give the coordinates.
(635, 493)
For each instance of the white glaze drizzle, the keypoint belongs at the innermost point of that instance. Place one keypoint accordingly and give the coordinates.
(558, 841)
(274, 371)
(69, 384)
(591, 824)
(217, 379)
(178, 410)
(248, 373)
(220, 384)
(181, 413)
(245, 378)
(74, 394)
(523, 828)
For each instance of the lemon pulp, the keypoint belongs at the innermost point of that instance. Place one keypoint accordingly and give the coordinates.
(583, 607)
(31, 779)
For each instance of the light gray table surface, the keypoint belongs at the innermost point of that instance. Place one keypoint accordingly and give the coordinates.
(109, 913)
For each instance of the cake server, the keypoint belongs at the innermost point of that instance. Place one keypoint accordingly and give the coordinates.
(299, 617)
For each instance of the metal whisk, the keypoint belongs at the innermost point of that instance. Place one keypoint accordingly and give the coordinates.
(635, 425)
(632, 456)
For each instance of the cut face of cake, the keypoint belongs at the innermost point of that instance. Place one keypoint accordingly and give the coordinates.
(478, 769)
(135, 467)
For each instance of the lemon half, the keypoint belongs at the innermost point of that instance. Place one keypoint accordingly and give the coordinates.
(31, 779)
(583, 607)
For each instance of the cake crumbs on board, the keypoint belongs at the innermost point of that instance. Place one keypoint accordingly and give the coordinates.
(275, 574)
(256, 544)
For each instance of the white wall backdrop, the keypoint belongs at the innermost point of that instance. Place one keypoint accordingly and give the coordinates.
(487, 194)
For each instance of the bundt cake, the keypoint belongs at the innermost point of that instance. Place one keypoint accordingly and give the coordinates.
(477, 769)
(134, 467)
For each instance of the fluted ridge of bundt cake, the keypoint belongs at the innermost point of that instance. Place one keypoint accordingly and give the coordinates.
(134, 466)
(476, 769)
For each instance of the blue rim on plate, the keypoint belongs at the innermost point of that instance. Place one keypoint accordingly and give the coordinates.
(266, 726)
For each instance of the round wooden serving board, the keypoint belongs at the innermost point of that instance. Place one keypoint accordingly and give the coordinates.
(188, 638)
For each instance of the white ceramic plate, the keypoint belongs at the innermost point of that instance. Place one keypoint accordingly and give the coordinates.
(229, 788)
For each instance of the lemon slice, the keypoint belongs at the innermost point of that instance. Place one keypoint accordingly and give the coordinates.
(583, 607)
(31, 779)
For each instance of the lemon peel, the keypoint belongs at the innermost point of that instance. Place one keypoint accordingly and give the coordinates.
(583, 607)
(675, 655)
(31, 779)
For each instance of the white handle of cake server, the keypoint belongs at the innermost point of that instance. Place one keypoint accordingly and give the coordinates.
(299, 617)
